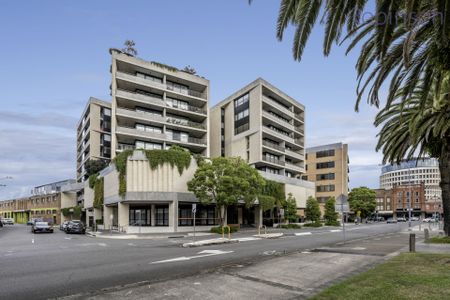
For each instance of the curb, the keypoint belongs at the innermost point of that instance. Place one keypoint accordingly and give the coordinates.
(209, 242)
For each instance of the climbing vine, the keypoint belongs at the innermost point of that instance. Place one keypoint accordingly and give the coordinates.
(175, 156)
(75, 211)
(98, 193)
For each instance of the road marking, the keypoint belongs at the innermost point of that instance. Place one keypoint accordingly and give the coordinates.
(246, 239)
(335, 230)
(302, 233)
(32, 241)
(203, 253)
(67, 238)
(102, 244)
(358, 248)
(131, 244)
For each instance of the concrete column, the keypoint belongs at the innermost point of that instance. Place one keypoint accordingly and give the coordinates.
(258, 216)
(153, 215)
(173, 215)
(240, 219)
(123, 216)
(107, 212)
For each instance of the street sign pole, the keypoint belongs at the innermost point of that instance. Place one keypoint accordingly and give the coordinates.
(194, 210)
(343, 219)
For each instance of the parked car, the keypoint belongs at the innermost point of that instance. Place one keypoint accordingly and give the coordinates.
(1, 222)
(414, 218)
(401, 219)
(75, 227)
(41, 227)
(30, 222)
(391, 220)
(8, 221)
(63, 225)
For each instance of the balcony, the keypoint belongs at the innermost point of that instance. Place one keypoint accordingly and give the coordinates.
(182, 122)
(121, 147)
(139, 80)
(278, 134)
(129, 113)
(188, 92)
(189, 140)
(294, 167)
(189, 108)
(273, 146)
(299, 129)
(139, 97)
(135, 132)
(278, 120)
(295, 154)
(299, 117)
(275, 161)
(278, 106)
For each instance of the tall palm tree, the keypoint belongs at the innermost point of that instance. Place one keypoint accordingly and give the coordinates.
(404, 45)
(408, 128)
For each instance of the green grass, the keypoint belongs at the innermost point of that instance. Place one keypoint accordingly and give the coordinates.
(439, 240)
(407, 276)
(290, 226)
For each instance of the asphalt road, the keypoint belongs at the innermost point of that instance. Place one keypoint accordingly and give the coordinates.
(46, 266)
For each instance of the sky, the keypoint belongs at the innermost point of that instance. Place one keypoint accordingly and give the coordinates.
(55, 56)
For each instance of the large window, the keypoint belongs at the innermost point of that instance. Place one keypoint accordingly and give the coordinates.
(176, 87)
(205, 215)
(325, 188)
(162, 215)
(148, 128)
(149, 77)
(325, 165)
(140, 216)
(177, 103)
(329, 176)
(148, 146)
(177, 135)
(241, 114)
(325, 153)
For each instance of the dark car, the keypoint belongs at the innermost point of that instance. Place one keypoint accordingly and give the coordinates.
(63, 226)
(391, 220)
(41, 227)
(30, 222)
(75, 227)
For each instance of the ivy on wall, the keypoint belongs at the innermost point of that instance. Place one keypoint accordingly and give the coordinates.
(74, 211)
(175, 156)
(98, 193)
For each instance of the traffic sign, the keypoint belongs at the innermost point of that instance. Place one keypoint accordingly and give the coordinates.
(194, 207)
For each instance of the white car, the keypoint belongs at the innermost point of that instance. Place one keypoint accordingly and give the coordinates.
(428, 220)
(8, 221)
(414, 219)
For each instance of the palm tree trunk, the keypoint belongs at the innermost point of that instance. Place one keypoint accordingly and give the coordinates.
(444, 168)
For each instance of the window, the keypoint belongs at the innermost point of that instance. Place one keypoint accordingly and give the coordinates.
(325, 165)
(304, 177)
(242, 100)
(177, 103)
(148, 128)
(148, 146)
(149, 77)
(140, 216)
(329, 176)
(177, 135)
(325, 153)
(325, 188)
(162, 215)
(241, 115)
(179, 88)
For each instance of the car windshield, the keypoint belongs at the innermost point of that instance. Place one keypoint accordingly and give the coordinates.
(41, 223)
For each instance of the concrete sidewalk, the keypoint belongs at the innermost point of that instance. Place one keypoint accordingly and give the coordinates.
(272, 275)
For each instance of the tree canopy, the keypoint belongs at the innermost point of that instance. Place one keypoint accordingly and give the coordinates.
(312, 210)
(362, 199)
(330, 215)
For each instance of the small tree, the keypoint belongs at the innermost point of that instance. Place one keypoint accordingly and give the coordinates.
(330, 215)
(312, 210)
(224, 181)
(362, 200)
(129, 48)
(93, 166)
(290, 208)
(190, 70)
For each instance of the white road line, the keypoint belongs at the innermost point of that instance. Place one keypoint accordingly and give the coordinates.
(335, 230)
(203, 253)
(246, 239)
(302, 233)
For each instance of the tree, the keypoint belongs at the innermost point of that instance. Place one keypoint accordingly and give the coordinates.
(404, 44)
(290, 208)
(330, 215)
(312, 210)
(129, 48)
(93, 166)
(362, 200)
(225, 181)
(190, 70)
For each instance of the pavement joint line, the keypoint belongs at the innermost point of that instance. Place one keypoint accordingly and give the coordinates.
(268, 282)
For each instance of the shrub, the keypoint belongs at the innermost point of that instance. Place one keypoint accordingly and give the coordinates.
(439, 240)
(290, 226)
(99, 221)
(218, 229)
(335, 223)
(314, 224)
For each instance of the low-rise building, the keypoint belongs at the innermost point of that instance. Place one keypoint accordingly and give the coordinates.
(397, 201)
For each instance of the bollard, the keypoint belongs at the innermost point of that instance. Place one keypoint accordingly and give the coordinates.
(412, 242)
(427, 234)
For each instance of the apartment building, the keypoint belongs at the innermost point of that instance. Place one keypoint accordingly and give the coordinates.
(93, 135)
(155, 106)
(264, 126)
(327, 166)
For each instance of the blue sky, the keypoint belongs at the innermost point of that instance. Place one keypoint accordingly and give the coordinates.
(55, 56)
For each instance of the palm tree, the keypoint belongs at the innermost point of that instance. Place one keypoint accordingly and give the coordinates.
(404, 45)
(408, 128)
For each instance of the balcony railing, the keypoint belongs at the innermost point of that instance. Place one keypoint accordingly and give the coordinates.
(274, 146)
(274, 160)
(191, 140)
(132, 77)
(122, 147)
(133, 131)
(300, 117)
(185, 123)
(295, 154)
(298, 141)
(139, 96)
(299, 129)
(186, 92)
(278, 106)
(189, 108)
(293, 167)
(140, 114)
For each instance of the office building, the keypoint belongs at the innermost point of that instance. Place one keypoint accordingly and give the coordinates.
(93, 135)
(155, 106)
(327, 166)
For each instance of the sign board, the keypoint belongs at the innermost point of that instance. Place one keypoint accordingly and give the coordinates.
(342, 208)
(281, 212)
(194, 207)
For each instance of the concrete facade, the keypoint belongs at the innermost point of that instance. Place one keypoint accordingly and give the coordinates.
(262, 125)
(93, 135)
(327, 166)
(155, 106)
